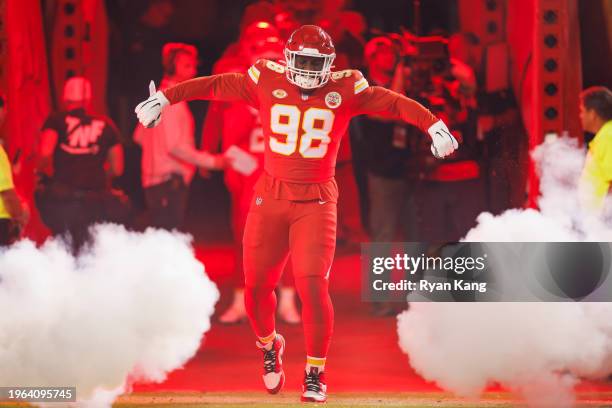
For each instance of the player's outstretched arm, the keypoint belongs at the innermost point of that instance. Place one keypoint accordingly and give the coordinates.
(378, 100)
(222, 87)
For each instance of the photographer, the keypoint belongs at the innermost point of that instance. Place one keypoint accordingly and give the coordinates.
(451, 192)
(387, 145)
(384, 145)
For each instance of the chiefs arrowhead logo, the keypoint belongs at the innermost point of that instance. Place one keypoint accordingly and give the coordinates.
(333, 100)
(279, 93)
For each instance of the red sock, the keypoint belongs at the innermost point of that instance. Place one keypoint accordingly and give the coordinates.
(260, 303)
(317, 314)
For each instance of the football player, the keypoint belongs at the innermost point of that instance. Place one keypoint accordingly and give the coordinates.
(305, 108)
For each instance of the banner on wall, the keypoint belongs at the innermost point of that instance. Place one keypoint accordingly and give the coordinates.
(28, 99)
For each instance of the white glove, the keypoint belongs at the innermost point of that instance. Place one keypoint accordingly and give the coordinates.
(443, 143)
(149, 111)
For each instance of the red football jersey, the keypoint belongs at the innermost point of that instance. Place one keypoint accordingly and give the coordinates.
(302, 132)
(234, 124)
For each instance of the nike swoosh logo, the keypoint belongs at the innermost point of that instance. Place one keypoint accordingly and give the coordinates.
(322, 202)
(148, 102)
(443, 133)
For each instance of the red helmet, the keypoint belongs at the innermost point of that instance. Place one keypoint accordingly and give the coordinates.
(309, 41)
(261, 40)
(271, 48)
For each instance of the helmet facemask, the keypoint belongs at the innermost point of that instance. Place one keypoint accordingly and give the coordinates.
(306, 78)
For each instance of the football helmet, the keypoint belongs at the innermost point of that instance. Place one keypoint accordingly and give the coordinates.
(255, 35)
(261, 41)
(309, 41)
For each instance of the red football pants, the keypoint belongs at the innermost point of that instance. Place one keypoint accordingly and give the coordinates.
(241, 190)
(306, 230)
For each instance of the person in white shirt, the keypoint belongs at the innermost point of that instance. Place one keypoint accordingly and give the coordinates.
(169, 156)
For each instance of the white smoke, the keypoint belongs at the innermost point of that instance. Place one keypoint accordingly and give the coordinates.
(133, 306)
(539, 350)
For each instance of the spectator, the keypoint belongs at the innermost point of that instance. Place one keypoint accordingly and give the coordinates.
(14, 214)
(253, 37)
(460, 69)
(79, 155)
(386, 147)
(136, 43)
(347, 29)
(451, 192)
(596, 118)
(303, 11)
(169, 156)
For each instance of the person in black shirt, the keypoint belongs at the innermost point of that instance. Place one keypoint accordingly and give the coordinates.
(387, 143)
(384, 146)
(451, 191)
(79, 155)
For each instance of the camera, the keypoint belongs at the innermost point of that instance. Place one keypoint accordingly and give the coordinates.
(429, 64)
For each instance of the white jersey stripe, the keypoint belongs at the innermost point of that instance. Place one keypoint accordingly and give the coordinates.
(254, 74)
(361, 85)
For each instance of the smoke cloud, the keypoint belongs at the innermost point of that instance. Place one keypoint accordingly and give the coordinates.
(134, 306)
(539, 350)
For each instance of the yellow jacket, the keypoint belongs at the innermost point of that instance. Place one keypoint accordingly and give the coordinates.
(597, 172)
(6, 180)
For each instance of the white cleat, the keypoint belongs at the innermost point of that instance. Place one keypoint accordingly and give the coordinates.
(273, 376)
(314, 388)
